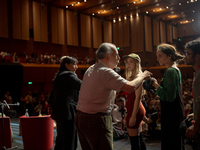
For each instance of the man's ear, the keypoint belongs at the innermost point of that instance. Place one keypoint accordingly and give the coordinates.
(66, 65)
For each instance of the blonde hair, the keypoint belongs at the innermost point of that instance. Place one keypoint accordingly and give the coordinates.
(130, 75)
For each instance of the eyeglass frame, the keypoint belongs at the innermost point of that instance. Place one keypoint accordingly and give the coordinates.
(188, 53)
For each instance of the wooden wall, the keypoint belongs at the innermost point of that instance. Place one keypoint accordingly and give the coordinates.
(30, 26)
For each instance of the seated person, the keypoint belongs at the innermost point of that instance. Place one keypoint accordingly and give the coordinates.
(119, 113)
(154, 128)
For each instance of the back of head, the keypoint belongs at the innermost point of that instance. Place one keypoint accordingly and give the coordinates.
(194, 46)
(104, 49)
(170, 50)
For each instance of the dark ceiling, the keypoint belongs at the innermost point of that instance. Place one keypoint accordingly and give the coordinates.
(174, 11)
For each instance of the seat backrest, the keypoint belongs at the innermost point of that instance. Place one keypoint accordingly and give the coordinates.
(7, 132)
(37, 132)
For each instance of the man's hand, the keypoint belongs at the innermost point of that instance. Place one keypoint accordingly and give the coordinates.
(146, 74)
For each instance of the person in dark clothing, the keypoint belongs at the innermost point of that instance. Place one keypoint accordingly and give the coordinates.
(63, 100)
(170, 93)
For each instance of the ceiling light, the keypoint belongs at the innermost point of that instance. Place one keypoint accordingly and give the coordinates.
(147, 12)
(99, 12)
(137, 15)
(78, 3)
(154, 10)
(134, 2)
(192, 1)
(193, 11)
(192, 19)
(117, 7)
(160, 8)
(167, 7)
(125, 18)
(188, 2)
(114, 20)
(85, 0)
(141, 0)
(131, 16)
(72, 4)
(179, 3)
(66, 6)
(119, 19)
(92, 14)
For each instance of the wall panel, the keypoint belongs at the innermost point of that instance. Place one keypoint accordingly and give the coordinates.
(120, 33)
(44, 24)
(115, 34)
(20, 13)
(163, 32)
(61, 31)
(97, 32)
(17, 24)
(169, 33)
(3, 19)
(175, 36)
(85, 31)
(72, 28)
(126, 37)
(25, 19)
(137, 34)
(107, 31)
(156, 35)
(148, 34)
(57, 25)
(36, 21)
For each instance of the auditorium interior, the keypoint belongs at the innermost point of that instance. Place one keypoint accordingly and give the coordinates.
(35, 34)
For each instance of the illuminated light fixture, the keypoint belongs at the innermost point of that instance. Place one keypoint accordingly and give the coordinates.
(131, 16)
(117, 7)
(167, 7)
(92, 14)
(134, 2)
(160, 8)
(141, 0)
(119, 19)
(181, 22)
(179, 3)
(114, 20)
(104, 10)
(192, 1)
(147, 12)
(30, 82)
(66, 6)
(72, 4)
(137, 15)
(85, 0)
(186, 21)
(154, 10)
(193, 11)
(125, 18)
(78, 3)
(192, 19)
(188, 2)
(99, 12)
(196, 0)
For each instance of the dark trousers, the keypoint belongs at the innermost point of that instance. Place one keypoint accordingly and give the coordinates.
(66, 135)
(95, 131)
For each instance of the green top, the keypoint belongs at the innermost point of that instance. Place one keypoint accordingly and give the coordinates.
(169, 90)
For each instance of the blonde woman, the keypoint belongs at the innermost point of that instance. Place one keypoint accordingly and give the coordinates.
(135, 108)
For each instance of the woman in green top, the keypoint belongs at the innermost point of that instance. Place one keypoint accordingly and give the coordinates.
(170, 92)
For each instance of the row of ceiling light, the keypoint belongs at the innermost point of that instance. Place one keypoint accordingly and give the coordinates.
(137, 14)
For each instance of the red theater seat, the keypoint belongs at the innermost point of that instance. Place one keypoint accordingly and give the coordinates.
(7, 133)
(37, 132)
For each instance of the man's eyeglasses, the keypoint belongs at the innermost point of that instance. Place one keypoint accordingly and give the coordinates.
(187, 53)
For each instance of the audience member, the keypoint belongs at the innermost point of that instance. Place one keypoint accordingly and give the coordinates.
(97, 95)
(154, 121)
(170, 93)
